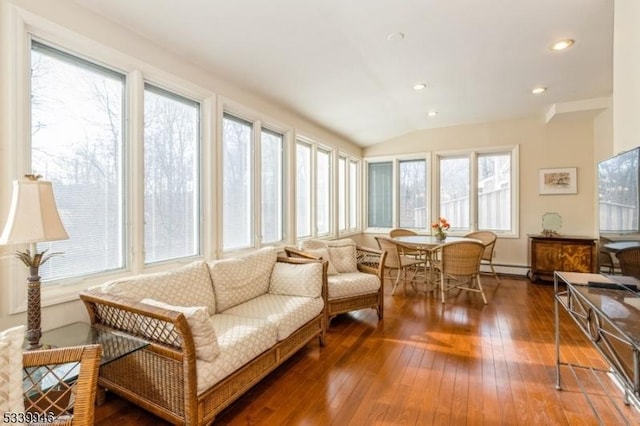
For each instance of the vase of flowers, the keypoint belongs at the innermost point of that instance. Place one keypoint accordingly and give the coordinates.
(440, 229)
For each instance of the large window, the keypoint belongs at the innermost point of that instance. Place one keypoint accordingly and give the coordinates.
(77, 120)
(314, 190)
(323, 192)
(272, 149)
(347, 194)
(237, 183)
(253, 178)
(171, 148)
(476, 190)
(397, 193)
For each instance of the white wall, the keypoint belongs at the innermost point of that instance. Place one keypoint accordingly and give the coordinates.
(626, 75)
(84, 27)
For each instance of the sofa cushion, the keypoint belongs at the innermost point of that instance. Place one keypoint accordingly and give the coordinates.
(341, 252)
(204, 335)
(352, 284)
(286, 313)
(294, 279)
(186, 286)
(11, 397)
(324, 254)
(240, 339)
(242, 278)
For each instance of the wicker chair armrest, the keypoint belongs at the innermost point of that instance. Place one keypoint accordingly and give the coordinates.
(370, 260)
(156, 325)
(293, 252)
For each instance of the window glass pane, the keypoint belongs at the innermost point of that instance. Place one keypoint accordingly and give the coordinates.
(77, 143)
(454, 192)
(412, 194)
(171, 146)
(342, 201)
(237, 188)
(380, 194)
(494, 192)
(323, 192)
(272, 151)
(353, 195)
(303, 190)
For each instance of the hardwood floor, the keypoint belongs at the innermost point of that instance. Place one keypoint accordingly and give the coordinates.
(428, 363)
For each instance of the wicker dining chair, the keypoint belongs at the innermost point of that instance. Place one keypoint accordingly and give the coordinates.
(629, 259)
(607, 261)
(401, 232)
(405, 267)
(458, 264)
(489, 239)
(61, 381)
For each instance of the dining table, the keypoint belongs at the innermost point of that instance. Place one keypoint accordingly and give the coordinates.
(427, 246)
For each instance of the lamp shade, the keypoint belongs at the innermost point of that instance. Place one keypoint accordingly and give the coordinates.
(33, 215)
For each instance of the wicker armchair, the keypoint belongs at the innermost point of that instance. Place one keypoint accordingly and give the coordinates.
(369, 261)
(405, 267)
(62, 381)
(487, 238)
(459, 267)
(629, 259)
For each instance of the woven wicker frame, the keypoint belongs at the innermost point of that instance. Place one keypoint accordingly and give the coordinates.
(81, 391)
(369, 261)
(629, 259)
(162, 377)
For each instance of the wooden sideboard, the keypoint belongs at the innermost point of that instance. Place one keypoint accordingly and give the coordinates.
(561, 253)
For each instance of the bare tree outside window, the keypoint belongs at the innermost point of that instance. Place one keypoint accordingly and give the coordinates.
(171, 146)
(77, 125)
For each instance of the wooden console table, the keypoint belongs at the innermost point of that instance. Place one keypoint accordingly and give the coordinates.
(561, 253)
(611, 320)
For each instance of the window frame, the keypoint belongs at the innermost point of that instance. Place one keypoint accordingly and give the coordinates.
(395, 160)
(473, 155)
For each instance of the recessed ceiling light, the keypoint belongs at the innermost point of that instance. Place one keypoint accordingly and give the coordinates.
(395, 36)
(419, 86)
(432, 113)
(562, 44)
(538, 90)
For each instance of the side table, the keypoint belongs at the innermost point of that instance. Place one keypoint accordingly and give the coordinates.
(114, 345)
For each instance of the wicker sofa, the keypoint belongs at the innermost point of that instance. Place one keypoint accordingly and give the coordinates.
(259, 309)
(354, 274)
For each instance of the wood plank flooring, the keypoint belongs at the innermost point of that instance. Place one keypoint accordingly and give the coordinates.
(462, 363)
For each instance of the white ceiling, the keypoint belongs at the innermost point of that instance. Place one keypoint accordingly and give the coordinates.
(330, 60)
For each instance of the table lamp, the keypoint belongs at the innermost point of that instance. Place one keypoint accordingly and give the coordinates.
(33, 218)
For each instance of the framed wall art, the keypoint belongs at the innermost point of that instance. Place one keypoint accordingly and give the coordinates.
(558, 181)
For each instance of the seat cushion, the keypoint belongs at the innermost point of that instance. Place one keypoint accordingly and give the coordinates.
(241, 278)
(186, 286)
(240, 340)
(352, 284)
(286, 313)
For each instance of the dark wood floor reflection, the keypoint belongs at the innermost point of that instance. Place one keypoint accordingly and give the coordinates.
(428, 363)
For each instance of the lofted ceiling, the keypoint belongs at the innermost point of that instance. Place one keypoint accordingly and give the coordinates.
(333, 63)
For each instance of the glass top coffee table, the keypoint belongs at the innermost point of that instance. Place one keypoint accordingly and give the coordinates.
(114, 345)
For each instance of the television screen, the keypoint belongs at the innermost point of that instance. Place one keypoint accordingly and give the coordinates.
(618, 194)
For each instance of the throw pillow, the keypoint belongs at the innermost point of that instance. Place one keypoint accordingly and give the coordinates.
(204, 335)
(11, 398)
(324, 254)
(297, 279)
(343, 255)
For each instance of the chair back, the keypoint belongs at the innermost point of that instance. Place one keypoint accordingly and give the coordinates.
(393, 255)
(461, 258)
(629, 259)
(401, 232)
(53, 387)
(487, 238)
